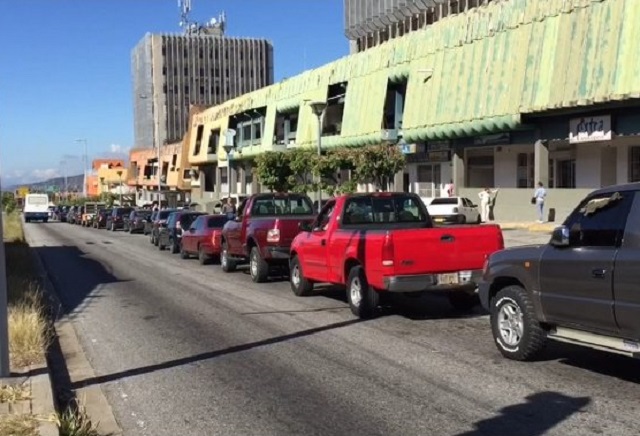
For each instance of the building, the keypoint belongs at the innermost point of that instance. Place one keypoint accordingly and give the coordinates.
(171, 72)
(369, 23)
(505, 94)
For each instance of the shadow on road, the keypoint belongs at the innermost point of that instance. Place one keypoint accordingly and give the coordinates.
(540, 413)
(209, 355)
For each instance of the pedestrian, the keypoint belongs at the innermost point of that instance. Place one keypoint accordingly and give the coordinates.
(538, 200)
(450, 189)
(227, 207)
(485, 201)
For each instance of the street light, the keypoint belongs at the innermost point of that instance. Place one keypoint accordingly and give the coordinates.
(156, 144)
(86, 158)
(120, 177)
(229, 146)
(318, 108)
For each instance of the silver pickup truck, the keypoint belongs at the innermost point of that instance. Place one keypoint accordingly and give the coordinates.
(580, 288)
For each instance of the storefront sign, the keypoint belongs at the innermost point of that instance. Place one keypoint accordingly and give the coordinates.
(499, 139)
(590, 129)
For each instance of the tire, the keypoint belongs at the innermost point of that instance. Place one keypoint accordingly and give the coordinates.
(46, 220)
(258, 267)
(299, 284)
(228, 264)
(203, 257)
(159, 244)
(175, 248)
(363, 299)
(531, 338)
(479, 220)
(183, 254)
(462, 219)
(463, 301)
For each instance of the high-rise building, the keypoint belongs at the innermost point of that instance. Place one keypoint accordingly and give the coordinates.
(170, 72)
(369, 23)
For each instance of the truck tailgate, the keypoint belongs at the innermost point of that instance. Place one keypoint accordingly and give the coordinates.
(290, 227)
(442, 250)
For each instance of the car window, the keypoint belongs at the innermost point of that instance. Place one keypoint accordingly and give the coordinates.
(187, 218)
(599, 221)
(444, 200)
(216, 222)
(289, 205)
(325, 215)
(383, 209)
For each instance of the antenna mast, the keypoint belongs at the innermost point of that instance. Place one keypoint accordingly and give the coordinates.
(212, 27)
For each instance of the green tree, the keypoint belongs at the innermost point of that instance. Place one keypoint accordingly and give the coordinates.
(302, 162)
(329, 165)
(273, 170)
(8, 202)
(377, 164)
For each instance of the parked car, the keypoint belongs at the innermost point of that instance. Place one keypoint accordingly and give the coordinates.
(100, 221)
(453, 210)
(159, 222)
(386, 242)
(90, 210)
(36, 208)
(171, 234)
(262, 232)
(115, 221)
(137, 220)
(580, 288)
(203, 238)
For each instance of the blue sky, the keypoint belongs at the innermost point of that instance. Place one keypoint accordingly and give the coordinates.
(65, 68)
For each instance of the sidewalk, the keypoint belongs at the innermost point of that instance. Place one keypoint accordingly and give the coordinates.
(529, 226)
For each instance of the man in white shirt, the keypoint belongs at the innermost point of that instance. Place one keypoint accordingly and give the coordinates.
(485, 201)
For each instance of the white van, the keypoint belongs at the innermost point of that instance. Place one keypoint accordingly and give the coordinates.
(36, 207)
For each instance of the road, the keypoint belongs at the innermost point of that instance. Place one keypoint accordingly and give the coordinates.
(184, 349)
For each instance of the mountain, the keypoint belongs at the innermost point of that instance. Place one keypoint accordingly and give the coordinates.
(74, 183)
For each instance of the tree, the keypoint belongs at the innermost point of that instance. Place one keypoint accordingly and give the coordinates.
(302, 162)
(273, 169)
(329, 165)
(377, 164)
(8, 202)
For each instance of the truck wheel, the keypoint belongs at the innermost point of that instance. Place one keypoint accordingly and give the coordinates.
(462, 219)
(299, 284)
(203, 257)
(258, 267)
(463, 301)
(183, 254)
(228, 264)
(479, 220)
(516, 330)
(363, 299)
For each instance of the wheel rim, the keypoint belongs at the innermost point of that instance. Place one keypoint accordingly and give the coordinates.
(355, 292)
(254, 265)
(223, 258)
(510, 324)
(295, 275)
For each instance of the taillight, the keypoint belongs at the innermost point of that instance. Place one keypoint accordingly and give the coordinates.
(387, 250)
(273, 236)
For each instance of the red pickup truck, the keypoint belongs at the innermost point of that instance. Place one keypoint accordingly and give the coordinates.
(262, 232)
(386, 242)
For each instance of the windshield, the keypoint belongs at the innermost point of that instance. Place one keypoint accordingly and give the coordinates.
(216, 222)
(289, 205)
(164, 214)
(444, 201)
(37, 200)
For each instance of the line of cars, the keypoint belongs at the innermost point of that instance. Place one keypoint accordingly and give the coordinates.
(377, 244)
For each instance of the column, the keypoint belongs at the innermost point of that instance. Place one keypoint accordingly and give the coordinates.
(458, 168)
(541, 163)
(398, 178)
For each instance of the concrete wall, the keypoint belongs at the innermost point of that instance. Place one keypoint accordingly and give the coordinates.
(514, 205)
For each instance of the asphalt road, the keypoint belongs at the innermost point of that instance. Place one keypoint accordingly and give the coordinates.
(184, 349)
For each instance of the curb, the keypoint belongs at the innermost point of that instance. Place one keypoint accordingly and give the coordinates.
(74, 359)
(530, 227)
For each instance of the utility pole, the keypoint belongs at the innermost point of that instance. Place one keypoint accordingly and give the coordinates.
(5, 370)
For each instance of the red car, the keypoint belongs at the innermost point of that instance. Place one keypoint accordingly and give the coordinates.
(386, 242)
(203, 238)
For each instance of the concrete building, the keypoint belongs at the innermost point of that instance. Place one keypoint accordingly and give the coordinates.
(369, 23)
(505, 94)
(172, 72)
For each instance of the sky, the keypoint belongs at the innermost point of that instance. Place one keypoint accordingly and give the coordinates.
(65, 71)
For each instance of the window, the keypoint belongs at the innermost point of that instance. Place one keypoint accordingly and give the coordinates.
(216, 222)
(214, 140)
(525, 170)
(599, 221)
(196, 150)
(634, 164)
(336, 95)
(289, 205)
(566, 173)
(325, 215)
(394, 105)
(384, 209)
(444, 200)
(174, 160)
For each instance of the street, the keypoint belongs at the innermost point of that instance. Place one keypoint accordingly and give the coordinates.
(184, 349)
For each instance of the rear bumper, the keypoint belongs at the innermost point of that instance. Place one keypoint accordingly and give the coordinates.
(467, 281)
(36, 215)
(447, 219)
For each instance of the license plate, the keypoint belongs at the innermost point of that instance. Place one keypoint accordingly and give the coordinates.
(448, 279)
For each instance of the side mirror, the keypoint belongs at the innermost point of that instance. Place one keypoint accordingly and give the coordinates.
(304, 226)
(560, 237)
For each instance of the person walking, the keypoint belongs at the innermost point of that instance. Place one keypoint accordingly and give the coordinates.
(485, 202)
(450, 189)
(538, 199)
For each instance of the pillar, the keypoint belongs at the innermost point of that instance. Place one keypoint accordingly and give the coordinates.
(398, 178)
(458, 169)
(541, 163)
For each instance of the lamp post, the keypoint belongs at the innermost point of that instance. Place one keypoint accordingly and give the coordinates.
(318, 108)
(120, 189)
(229, 146)
(85, 163)
(156, 143)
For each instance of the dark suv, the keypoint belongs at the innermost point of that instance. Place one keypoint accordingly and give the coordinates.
(116, 220)
(137, 221)
(171, 235)
(159, 222)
